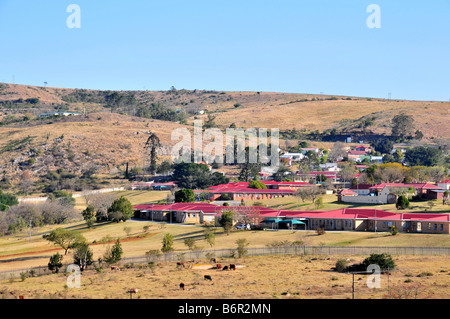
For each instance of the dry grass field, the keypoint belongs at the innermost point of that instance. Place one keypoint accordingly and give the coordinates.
(269, 277)
(18, 251)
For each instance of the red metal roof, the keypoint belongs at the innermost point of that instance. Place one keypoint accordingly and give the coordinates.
(356, 213)
(414, 185)
(357, 152)
(348, 192)
(345, 213)
(203, 207)
(362, 186)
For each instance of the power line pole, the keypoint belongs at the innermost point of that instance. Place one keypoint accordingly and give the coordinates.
(353, 285)
(30, 231)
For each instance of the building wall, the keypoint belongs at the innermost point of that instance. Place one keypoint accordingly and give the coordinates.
(435, 227)
(382, 198)
(382, 225)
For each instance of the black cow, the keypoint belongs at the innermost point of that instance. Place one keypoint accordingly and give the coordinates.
(208, 277)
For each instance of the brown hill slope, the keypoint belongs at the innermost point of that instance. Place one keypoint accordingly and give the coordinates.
(255, 109)
(102, 140)
(108, 140)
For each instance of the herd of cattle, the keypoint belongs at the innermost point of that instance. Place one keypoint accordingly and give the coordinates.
(181, 264)
(208, 277)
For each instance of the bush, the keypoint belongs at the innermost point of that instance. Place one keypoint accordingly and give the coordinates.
(393, 230)
(384, 261)
(184, 196)
(320, 231)
(23, 276)
(113, 254)
(55, 263)
(341, 265)
(402, 202)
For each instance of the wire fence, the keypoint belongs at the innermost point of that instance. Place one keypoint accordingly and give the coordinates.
(233, 253)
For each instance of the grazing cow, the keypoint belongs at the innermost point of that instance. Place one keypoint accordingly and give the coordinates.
(232, 267)
(208, 277)
(182, 286)
(225, 268)
(213, 260)
(180, 264)
(219, 266)
(115, 268)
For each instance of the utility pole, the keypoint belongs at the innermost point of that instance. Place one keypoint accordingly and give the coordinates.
(389, 291)
(353, 285)
(30, 231)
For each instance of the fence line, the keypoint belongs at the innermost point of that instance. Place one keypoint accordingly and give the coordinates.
(256, 251)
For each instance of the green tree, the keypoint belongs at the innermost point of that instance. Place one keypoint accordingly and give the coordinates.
(113, 254)
(63, 197)
(184, 196)
(319, 203)
(402, 125)
(151, 146)
(7, 200)
(64, 238)
(402, 202)
(257, 185)
(281, 173)
(384, 145)
(242, 244)
(83, 256)
(196, 176)
(55, 263)
(190, 243)
(248, 171)
(423, 156)
(210, 238)
(122, 206)
(227, 220)
(89, 216)
(167, 243)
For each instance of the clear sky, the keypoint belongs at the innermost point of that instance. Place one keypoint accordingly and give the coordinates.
(311, 46)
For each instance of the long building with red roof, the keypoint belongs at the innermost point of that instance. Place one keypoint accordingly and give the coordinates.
(241, 191)
(351, 219)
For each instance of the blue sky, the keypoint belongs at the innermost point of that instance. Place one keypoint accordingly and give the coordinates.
(309, 46)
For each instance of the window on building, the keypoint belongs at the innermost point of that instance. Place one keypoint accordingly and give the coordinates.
(442, 227)
(435, 226)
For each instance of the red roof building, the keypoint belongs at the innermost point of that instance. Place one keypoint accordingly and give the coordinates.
(355, 219)
(418, 187)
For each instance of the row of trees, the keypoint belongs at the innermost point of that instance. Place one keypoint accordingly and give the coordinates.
(105, 208)
(58, 209)
(83, 255)
(197, 176)
(397, 173)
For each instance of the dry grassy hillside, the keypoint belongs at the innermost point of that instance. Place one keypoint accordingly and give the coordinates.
(104, 140)
(109, 140)
(260, 109)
